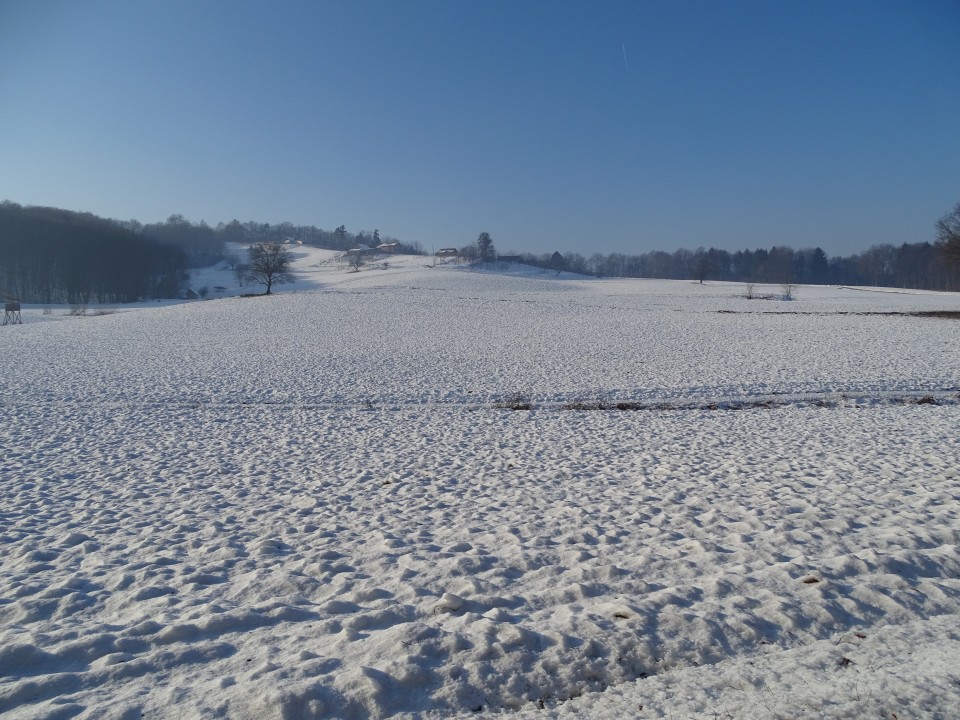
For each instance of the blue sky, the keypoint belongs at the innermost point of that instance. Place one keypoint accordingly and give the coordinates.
(585, 126)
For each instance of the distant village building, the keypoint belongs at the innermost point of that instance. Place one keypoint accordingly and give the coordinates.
(388, 248)
(447, 252)
(190, 295)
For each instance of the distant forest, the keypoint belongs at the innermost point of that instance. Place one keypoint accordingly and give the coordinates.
(54, 256)
(49, 255)
(916, 265)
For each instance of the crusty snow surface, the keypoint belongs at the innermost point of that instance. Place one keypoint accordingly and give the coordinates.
(322, 503)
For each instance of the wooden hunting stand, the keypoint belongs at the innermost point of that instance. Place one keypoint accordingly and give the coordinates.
(11, 315)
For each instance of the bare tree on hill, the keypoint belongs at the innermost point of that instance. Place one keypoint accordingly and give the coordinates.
(269, 264)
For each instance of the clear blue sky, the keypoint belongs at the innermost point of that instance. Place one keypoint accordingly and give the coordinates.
(587, 126)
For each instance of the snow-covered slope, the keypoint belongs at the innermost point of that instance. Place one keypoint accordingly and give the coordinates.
(318, 504)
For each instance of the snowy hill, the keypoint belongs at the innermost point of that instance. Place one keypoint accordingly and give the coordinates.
(321, 504)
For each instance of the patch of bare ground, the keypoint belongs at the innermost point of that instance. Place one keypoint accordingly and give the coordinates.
(826, 400)
(516, 401)
(941, 314)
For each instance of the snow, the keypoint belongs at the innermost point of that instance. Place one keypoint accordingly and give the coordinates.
(317, 504)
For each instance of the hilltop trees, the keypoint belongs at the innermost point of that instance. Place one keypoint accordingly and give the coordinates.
(269, 264)
(201, 244)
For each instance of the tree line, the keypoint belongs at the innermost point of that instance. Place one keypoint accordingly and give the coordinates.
(916, 265)
(922, 266)
(48, 255)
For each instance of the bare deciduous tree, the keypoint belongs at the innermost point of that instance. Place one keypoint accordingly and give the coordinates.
(948, 235)
(357, 260)
(269, 264)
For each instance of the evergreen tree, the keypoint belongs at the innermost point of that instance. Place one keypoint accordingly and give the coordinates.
(485, 249)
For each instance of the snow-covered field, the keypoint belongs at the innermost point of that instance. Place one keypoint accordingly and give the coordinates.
(320, 504)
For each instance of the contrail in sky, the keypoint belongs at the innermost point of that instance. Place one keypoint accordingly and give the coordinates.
(625, 66)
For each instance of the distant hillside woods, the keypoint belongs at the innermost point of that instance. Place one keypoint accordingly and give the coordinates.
(57, 256)
(49, 255)
(917, 265)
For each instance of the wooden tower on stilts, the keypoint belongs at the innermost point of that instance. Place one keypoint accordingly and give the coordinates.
(11, 315)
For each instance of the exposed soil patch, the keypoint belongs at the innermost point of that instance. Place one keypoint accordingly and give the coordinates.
(827, 400)
(942, 314)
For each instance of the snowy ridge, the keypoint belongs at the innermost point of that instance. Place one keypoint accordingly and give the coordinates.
(315, 505)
